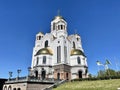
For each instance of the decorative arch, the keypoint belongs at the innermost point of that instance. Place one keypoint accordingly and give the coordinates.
(46, 43)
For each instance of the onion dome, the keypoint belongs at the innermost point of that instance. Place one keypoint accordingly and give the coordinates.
(44, 51)
(58, 17)
(77, 52)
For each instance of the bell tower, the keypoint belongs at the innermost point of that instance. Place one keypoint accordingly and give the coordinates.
(59, 26)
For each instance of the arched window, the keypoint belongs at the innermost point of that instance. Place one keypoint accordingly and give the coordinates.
(61, 27)
(44, 59)
(78, 60)
(46, 43)
(5, 88)
(9, 88)
(39, 37)
(58, 54)
(53, 26)
(73, 44)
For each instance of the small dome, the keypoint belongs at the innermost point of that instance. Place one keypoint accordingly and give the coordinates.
(58, 17)
(44, 51)
(76, 52)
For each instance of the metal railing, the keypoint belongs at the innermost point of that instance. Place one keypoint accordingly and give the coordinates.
(29, 78)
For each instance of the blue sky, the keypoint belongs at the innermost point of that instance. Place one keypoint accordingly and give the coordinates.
(97, 22)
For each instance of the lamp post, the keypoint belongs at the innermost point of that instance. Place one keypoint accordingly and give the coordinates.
(10, 75)
(18, 71)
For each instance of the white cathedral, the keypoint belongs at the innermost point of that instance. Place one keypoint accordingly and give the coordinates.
(58, 55)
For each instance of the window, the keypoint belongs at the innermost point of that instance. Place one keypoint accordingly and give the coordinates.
(53, 26)
(39, 37)
(77, 39)
(61, 27)
(46, 43)
(37, 61)
(73, 44)
(78, 60)
(58, 54)
(44, 59)
(65, 53)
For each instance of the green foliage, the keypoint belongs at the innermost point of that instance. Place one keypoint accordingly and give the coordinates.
(112, 84)
(109, 72)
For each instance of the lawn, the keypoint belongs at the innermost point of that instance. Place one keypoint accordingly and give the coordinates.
(112, 84)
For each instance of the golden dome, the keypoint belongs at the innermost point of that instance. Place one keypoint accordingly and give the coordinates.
(76, 52)
(58, 17)
(45, 51)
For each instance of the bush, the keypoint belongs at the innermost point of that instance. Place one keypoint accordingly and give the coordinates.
(97, 78)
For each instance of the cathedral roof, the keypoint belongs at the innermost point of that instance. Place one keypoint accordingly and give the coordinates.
(44, 51)
(76, 52)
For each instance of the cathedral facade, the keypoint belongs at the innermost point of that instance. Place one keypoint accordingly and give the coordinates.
(58, 55)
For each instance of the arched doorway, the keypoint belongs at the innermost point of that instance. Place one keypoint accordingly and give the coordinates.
(36, 74)
(58, 76)
(80, 74)
(67, 76)
(43, 74)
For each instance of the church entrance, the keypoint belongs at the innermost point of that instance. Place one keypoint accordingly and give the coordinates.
(80, 74)
(43, 74)
(58, 76)
(36, 74)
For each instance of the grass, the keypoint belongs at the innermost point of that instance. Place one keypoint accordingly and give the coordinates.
(112, 84)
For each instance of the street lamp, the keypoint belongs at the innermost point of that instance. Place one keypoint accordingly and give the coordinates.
(10, 74)
(18, 71)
